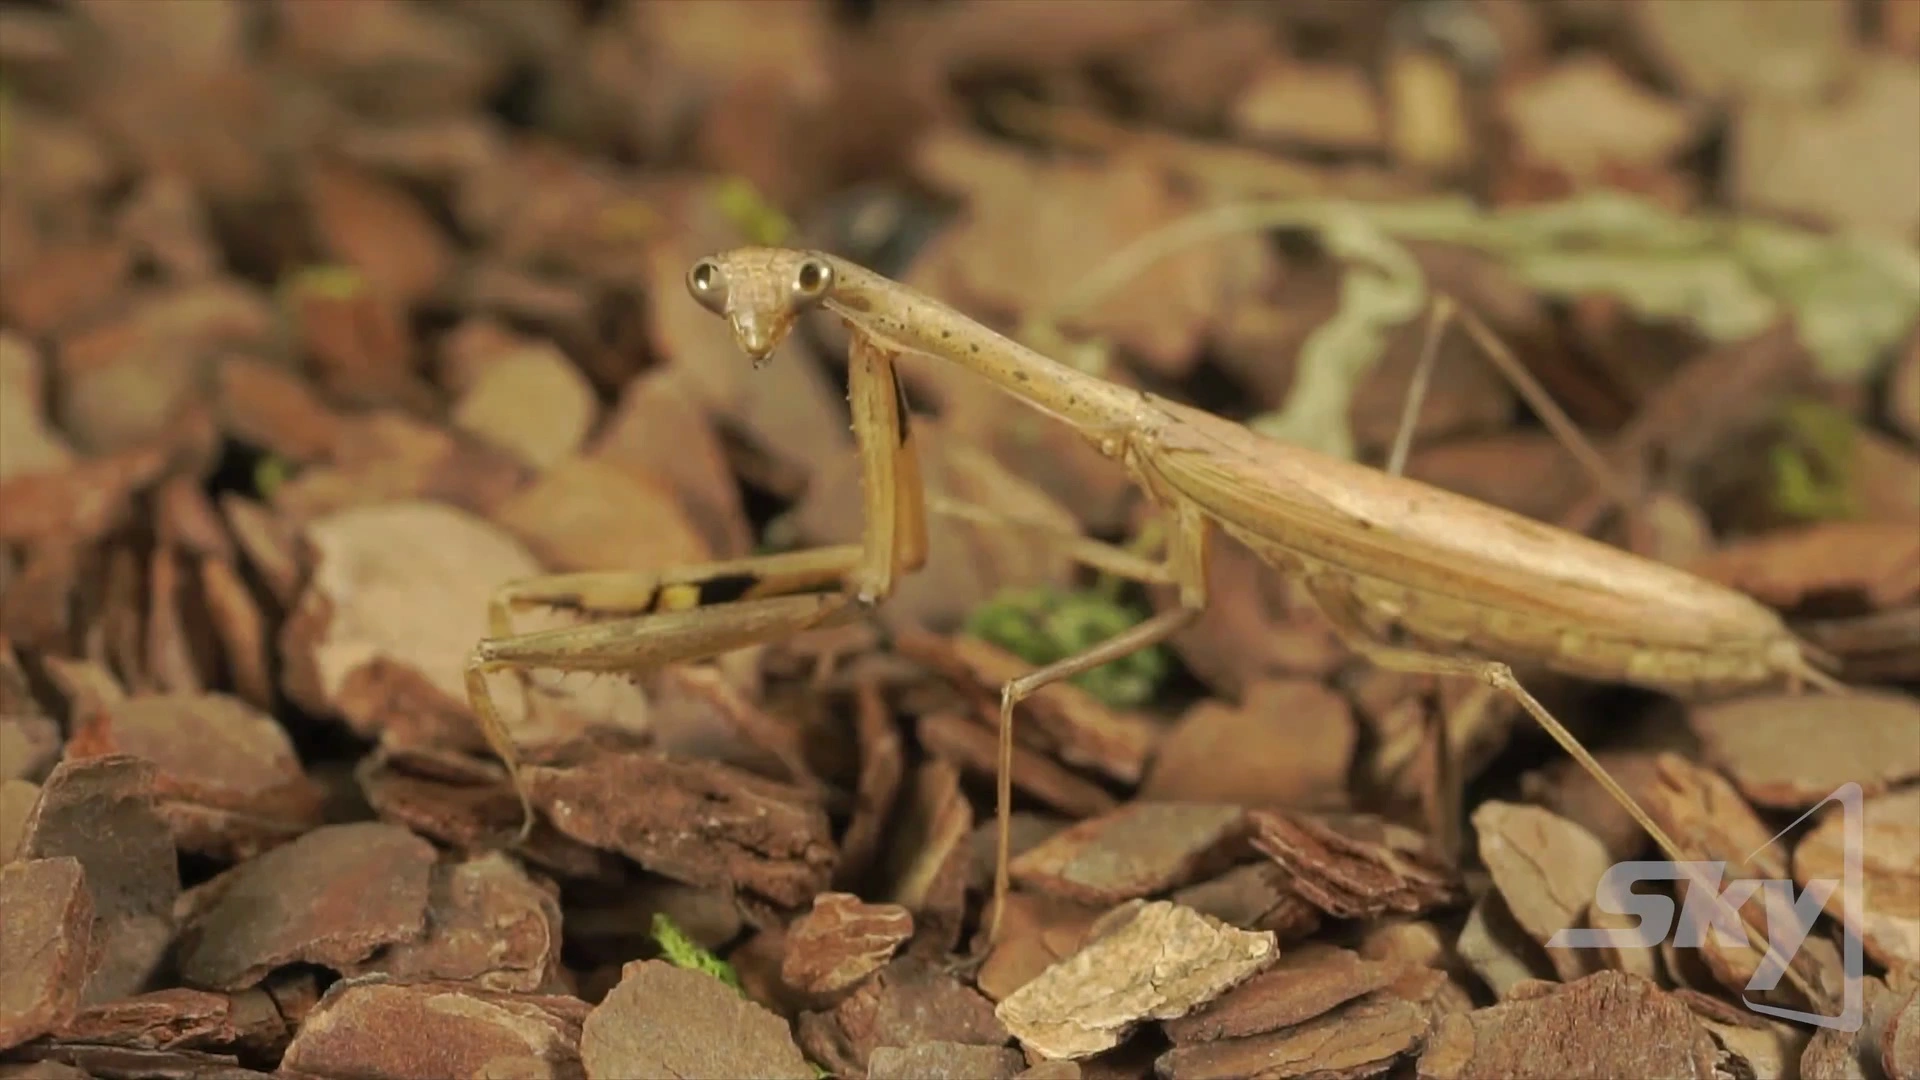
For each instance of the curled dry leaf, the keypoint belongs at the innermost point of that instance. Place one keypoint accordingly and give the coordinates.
(1889, 855)
(1789, 751)
(1145, 961)
(1142, 848)
(1355, 867)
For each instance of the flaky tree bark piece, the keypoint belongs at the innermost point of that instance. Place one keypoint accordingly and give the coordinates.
(701, 822)
(1358, 869)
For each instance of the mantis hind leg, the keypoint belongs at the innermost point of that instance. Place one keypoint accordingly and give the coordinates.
(1185, 566)
(1338, 605)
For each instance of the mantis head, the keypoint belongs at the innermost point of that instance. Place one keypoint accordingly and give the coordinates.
(760, 292)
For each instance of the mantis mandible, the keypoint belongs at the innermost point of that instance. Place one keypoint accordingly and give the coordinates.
(1413, 578)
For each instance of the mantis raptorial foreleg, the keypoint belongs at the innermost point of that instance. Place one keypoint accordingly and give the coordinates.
(701, 611)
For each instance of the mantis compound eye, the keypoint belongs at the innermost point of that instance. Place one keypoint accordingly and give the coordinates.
(812, 280)
(708, 286)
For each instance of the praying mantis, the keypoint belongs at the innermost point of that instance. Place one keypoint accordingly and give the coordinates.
(1413, 578)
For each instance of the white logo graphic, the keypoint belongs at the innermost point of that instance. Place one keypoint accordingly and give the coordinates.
(1789, 920)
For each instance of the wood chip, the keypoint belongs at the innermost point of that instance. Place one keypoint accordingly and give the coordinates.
(104, 812)
(374, 1028)
(1789, 751)
(1361, 1039)
(1547, 870)
(1305, 983)
(668, 1021)
(841, 941)
(1355, 867)
(1142, 848)
(700, 822)
(333, 897)
(47, 945)
(1607, 1024)
(1889, 867)
(1146, 961)
(1289, 744)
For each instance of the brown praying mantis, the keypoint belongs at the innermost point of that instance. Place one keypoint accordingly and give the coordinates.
(1413, 578)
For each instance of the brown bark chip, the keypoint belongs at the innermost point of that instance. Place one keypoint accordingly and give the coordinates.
(431, 1031)
(1789, 751)
(1143, 962)
(1355, 867)
(211, 751)
(1253, 896)
(103, 812)
(910, 1001)
(1607, 1024)
(1305, 983)
(1889, 870)
(1140, 849)
(700, 822)
(945, 1061)
(488, 923)
(667, 1021)
(46, 945)
(842, 941)
(1546, 868)
(1360, 1039)
(1291, 744)
(331, 898)
(182, 1019)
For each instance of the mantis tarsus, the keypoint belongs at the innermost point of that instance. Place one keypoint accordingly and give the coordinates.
(1414, 578)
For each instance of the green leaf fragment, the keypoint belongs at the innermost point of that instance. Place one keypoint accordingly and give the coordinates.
(679, 950)
(270, 474)
(1045, 625)
(1812, 466)
(760, 221)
